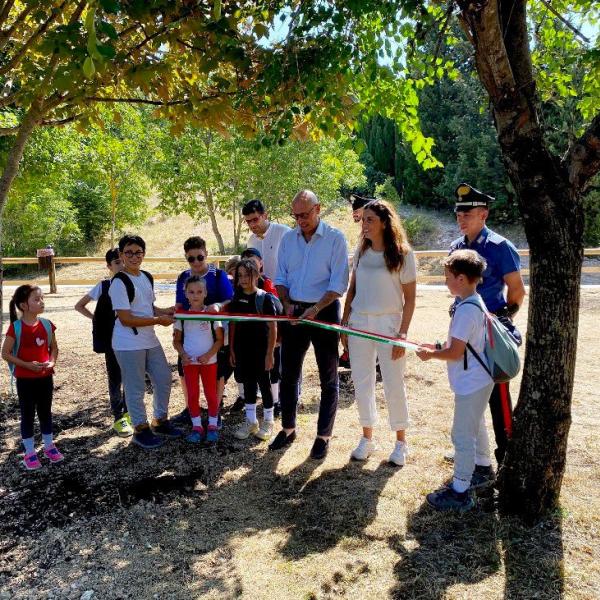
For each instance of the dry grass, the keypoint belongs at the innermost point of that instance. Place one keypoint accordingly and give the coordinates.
(239, 521)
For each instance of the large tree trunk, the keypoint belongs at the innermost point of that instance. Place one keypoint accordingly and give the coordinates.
(550, 204)
(10, 172)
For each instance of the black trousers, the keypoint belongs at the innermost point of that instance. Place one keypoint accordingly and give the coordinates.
(501, 409)
(252, 383)
(295, 340)
(116, 392)
(35, 395)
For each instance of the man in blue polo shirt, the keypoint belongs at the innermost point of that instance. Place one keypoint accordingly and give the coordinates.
(502, 288)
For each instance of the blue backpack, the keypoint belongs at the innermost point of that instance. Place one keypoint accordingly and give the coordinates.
(18, 327)
(501, 349)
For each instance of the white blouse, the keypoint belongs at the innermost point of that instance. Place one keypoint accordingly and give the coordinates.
(379, 291)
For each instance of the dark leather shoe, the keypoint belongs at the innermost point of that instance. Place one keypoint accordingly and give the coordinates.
(238, 405)
(319, 449)
(282, 440)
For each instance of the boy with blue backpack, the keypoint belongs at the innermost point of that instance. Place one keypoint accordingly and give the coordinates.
(479, 352)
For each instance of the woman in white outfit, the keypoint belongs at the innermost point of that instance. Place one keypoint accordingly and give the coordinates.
(381, 299)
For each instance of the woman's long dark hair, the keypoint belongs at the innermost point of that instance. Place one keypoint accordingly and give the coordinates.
(20, 296)
(250, 267)
(395, 242)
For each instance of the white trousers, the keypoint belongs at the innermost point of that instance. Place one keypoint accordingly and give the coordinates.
(363, 355)
(469, 433)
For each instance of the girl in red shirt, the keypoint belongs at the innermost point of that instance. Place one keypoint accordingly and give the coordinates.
(30, 349)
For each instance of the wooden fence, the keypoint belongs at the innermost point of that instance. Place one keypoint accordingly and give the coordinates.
(217, 260)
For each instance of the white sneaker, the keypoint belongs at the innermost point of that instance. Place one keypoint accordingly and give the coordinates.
(246, 429)
(364, 449)
(398, 455)
(265, 431)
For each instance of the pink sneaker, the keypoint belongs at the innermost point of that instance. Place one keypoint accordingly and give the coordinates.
(32, 462)
(53, 454)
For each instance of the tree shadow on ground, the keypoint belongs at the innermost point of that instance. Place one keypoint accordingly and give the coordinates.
(441, 550)
(339, 503)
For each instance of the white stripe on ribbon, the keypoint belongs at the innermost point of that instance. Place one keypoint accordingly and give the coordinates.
(241, 318)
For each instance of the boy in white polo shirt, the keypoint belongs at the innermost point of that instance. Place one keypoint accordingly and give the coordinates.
(469, 381)
(136, 346)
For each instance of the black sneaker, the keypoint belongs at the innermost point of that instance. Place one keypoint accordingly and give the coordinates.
(146, 439)
(166, 429)
(483, 477)
(238, 405)
(319, 449)
(183, 418)
(282, 440)
(448, 499)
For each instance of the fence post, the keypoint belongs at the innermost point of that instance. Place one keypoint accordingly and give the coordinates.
(52, 276)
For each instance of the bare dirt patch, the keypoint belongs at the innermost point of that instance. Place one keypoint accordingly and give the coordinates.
(238, 521)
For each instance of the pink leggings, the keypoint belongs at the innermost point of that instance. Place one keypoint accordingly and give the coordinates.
(208, 374)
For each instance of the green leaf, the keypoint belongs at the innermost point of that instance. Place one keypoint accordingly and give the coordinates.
(110, 6)
(216, 10)
(88, 67)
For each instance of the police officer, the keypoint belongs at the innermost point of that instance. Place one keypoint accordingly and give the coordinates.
(501, 288)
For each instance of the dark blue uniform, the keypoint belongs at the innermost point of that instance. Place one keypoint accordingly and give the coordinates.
(502, 258)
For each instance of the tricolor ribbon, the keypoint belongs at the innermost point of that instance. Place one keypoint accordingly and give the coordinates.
(241, 318)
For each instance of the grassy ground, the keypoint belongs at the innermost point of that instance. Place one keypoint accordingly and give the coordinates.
(238, 521)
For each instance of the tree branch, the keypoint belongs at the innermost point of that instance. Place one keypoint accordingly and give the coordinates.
(565, 21)
(5, 10)
(137, 101)
(25, 47)
(583, 160)
(8, 131)
(5, 34)
(61, 122)
(440, 39)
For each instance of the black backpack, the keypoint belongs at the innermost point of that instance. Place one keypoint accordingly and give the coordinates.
(103, 322)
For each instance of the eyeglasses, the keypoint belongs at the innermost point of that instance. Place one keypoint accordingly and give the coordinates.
(303, 216)
(199, 258)
(131, 254)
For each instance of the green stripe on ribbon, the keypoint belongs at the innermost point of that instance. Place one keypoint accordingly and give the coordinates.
(240, 318)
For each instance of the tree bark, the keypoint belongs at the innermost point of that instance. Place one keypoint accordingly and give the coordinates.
(552, 211)
(32, 117)
(213, 220)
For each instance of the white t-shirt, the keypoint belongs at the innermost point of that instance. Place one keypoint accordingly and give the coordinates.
(198, 338)
(379, 291)
(96, 291)
(268, 246)
(468, 325)
(142, 306)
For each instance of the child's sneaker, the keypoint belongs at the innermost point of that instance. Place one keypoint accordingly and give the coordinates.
(448, 499)
(53, 454)
(365, 448)
(32, 462)
(212, 436)
(146, 439)
(195, 436)
(246, 430)
(398, 455)
(483, 477)
(122, 427)
(265, 431)
(165, 428)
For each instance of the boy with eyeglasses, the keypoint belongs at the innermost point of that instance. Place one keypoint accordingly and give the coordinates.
(136, 347)
(219, 294)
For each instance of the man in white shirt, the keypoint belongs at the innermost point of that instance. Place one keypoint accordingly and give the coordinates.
(266, 236)
(136, 346)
